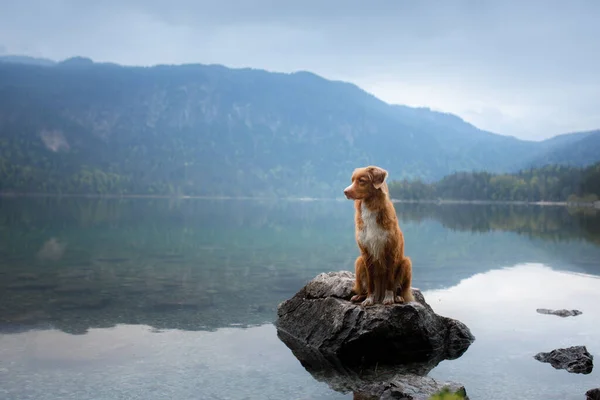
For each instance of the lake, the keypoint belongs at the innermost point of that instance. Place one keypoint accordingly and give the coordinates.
(175, 299)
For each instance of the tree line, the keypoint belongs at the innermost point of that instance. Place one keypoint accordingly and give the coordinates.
(548, 183)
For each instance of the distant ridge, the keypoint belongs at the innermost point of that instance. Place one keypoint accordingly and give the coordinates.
(15, 59)
(82, 127)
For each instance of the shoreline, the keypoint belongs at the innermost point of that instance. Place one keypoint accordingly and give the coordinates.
(158, 196)
(595, 205)
(506, 202)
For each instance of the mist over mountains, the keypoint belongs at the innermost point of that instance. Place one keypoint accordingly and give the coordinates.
(84, 127)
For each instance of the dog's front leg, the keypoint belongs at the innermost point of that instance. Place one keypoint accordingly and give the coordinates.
(370, 300)
(360, 284)
(390, 285)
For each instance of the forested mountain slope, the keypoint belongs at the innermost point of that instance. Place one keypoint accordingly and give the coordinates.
(548, 183)
(577, 149)
(84, 127)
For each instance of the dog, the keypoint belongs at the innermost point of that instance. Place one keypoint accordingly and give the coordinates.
(382, 267)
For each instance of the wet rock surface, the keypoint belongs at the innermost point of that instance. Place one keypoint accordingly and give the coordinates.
(321, 316)
(561, 313)
(574, 359)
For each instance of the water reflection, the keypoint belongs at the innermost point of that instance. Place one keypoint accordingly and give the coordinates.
(52, 250)
(499, 307)
(555, 223)
(136, 361)
(76, 264)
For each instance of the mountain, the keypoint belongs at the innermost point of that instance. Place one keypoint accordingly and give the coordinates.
(575, 149)
(83, 127)
(26, 60)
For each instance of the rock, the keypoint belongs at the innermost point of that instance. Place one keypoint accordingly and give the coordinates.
(320, 316)
(410, 387)
(575, 359)
(593, 394)
(561, 313)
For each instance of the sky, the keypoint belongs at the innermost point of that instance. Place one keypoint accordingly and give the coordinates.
(524, 68)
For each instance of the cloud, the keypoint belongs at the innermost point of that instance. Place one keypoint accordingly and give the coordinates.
(532, 62)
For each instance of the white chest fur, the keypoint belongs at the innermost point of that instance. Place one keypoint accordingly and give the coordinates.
(372, 235)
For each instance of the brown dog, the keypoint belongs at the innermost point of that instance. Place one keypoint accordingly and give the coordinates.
(382, 267)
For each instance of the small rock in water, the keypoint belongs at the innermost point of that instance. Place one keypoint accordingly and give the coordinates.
(592, 394)
(411, 387)
(575, 359)
(560, 313)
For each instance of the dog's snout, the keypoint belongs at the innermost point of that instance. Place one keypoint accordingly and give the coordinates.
(348, 192)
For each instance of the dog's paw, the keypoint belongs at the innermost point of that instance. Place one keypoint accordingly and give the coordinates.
(389, 298)
(368, 302)
(357, 297)
(399, 299)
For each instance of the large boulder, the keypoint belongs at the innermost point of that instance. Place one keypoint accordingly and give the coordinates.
(321, 317)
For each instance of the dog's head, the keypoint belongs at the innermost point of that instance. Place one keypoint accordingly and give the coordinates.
(366, 182)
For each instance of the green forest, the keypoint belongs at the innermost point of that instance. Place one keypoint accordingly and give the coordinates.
(557, 183)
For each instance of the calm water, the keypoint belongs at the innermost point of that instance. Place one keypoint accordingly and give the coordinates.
(159, 299)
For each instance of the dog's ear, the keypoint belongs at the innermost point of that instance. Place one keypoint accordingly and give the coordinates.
(379, 175)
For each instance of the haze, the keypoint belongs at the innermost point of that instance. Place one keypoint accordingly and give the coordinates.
(528, 69)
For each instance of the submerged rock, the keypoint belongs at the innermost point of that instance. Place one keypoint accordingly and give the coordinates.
(408, 387)
(592, 394)
(321, 317)
(561, 313)
(575, 359)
